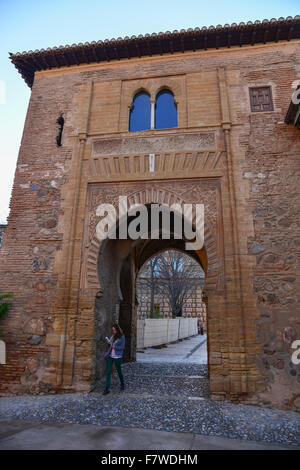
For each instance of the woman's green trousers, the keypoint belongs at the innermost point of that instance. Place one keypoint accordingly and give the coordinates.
(109, 363)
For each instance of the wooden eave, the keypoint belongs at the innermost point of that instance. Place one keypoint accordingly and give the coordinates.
(242, 34)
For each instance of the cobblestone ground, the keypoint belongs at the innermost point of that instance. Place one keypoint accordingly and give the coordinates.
(165, 396)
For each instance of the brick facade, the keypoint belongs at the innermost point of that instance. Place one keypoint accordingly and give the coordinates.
(242, 165)
(193, 307)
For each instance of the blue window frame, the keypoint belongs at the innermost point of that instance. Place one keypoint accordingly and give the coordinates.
(165, 110)
(140, 113)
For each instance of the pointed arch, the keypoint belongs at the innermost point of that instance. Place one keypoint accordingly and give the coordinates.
(207, 255)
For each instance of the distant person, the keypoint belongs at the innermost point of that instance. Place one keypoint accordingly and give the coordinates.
(117, 345)
(201, 328)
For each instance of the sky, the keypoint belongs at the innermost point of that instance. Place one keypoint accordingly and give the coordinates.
(35, 24)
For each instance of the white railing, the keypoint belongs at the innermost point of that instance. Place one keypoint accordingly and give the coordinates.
(157, 331)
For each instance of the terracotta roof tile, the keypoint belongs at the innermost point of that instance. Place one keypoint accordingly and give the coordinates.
(156, 44)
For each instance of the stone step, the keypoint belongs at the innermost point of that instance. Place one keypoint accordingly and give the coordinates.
(165, 369)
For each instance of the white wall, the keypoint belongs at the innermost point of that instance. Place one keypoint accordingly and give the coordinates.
(173, 326)
(157, 331)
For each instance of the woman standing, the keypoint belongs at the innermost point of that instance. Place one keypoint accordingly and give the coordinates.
(117, 345)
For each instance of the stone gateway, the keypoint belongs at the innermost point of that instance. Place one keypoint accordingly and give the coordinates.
(215, 132)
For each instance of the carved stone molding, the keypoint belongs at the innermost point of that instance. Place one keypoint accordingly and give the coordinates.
(164, 165)
(198, 191)
(154, 144)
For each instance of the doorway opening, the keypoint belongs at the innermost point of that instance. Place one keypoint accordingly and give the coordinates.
(122, 264)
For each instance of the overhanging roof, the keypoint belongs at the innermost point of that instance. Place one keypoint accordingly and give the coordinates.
(157, 44)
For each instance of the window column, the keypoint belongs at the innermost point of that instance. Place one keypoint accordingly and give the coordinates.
(152, 114)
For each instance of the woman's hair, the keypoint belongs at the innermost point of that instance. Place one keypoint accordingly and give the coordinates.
(119, 331)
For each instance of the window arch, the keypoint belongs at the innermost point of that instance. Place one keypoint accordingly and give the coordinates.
(140, 113)
(165, 110)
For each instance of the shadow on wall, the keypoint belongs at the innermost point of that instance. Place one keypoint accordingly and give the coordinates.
(112, 255)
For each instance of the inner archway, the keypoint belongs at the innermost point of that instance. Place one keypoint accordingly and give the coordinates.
(119, 263)
(171, 312)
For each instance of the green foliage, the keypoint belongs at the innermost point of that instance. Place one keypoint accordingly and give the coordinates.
(157, 315)
(4, 306)
(156, 311)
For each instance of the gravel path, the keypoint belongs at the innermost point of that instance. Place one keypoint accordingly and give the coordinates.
(160, 396)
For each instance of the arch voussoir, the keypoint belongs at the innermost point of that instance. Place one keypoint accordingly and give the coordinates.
(154, 196)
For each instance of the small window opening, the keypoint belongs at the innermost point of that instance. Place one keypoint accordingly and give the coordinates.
(261, 99)
(60, 121)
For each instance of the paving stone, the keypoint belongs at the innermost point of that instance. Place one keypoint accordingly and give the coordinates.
(157, 397)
